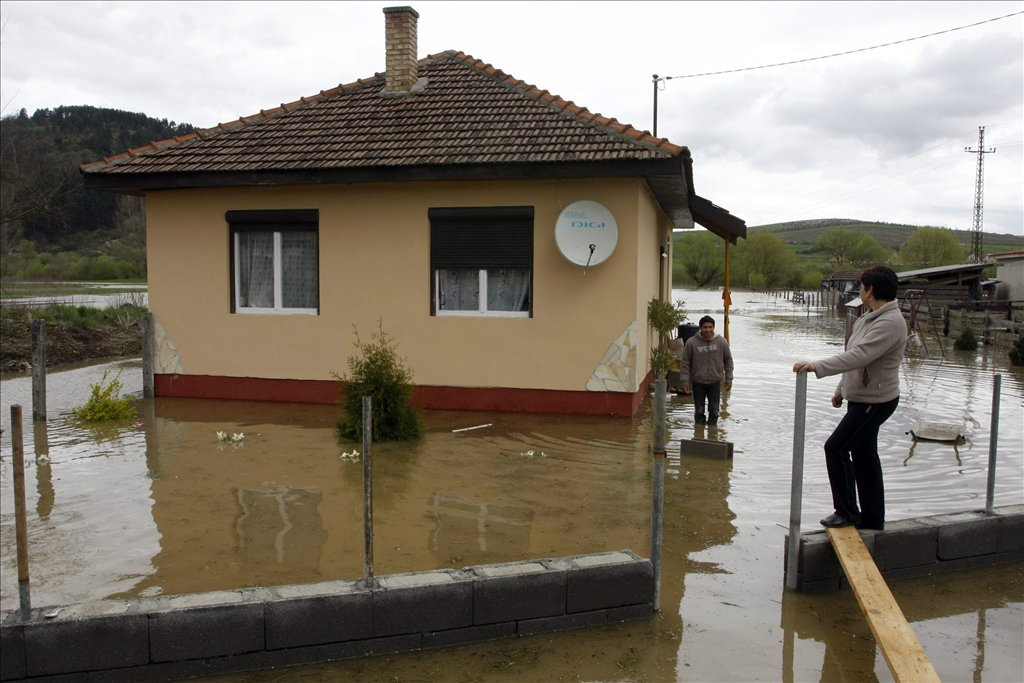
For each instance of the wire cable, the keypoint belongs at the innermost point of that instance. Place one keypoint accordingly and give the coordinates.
(837, 54)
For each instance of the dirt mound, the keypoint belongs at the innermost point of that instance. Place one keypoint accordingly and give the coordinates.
(65, 344)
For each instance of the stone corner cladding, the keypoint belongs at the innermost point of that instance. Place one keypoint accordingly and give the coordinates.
(273, 626)
(616, 371)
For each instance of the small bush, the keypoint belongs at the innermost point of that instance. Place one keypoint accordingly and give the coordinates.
(967, 341)
(106, 402)
(1017, 351)
(379, 373)
(663, 317)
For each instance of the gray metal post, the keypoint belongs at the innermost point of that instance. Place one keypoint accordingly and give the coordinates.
(20, 524)
(38, 369)
(146, 322)
(658, 486)
(797, 485)
(993, 439)
(368, 490)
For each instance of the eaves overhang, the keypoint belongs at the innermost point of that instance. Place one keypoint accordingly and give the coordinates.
(717, 220)
(665, 177)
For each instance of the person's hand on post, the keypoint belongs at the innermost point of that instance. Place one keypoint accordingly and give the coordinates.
(803, 366)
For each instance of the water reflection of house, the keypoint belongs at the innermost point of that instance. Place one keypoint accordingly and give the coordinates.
(466, 528)
(439, 198)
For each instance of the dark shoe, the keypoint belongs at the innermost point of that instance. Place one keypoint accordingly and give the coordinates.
(700, 419)
(836, 521)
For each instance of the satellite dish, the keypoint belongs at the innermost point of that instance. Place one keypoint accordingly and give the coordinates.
(586, 233)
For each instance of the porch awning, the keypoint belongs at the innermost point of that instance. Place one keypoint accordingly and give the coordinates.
(717, 220)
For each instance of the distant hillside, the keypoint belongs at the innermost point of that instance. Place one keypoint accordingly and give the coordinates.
(890, 235)
(43, 198)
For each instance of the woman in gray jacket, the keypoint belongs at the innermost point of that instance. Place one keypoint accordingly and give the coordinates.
(870, 384)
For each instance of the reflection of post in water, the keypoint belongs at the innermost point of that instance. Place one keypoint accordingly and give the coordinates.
(147, 410)
(847, 656)
(44, 477)
(979, 658)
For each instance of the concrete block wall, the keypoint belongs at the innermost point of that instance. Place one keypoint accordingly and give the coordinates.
(175, 637)
(918, 547)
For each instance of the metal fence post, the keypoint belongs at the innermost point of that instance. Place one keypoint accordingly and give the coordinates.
(658, 486)
(993, 439)
(797, 484)
(368, 490)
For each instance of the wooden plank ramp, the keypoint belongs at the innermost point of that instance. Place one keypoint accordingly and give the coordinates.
(903, 653)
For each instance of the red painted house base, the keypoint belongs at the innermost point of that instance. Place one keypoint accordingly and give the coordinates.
(434, 398)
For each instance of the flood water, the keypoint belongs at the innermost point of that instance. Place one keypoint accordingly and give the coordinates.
(162, 506)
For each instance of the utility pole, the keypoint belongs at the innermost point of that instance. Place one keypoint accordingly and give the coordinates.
(655, 126)
(979, 192)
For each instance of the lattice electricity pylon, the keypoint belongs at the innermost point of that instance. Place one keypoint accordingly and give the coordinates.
(979, 192)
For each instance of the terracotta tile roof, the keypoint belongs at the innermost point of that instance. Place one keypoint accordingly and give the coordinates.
(469, 113)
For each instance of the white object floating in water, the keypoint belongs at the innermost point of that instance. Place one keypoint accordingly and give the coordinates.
(469, 429)
(354, 455)
(937, 431)
(233, 438)
(531, 453)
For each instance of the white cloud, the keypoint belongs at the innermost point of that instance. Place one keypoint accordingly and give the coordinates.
(877, 134)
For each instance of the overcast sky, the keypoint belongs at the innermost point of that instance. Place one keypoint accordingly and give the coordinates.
(879, 134)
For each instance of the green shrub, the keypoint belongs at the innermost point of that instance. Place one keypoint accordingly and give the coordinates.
(967, 341)
(1017, 351)
(106, 402)
(378, 372)
(663, 317)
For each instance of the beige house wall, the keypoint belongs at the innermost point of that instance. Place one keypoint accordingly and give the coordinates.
(374, 242)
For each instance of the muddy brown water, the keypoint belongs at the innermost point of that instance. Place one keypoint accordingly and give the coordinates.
(162, 506)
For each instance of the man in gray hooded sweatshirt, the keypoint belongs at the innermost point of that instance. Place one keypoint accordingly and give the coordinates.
(706, 362)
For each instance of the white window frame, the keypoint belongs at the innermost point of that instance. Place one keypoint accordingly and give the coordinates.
(278, 308)
(482, 309)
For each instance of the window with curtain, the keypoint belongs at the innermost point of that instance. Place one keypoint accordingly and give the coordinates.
(481, 261)
(275, 261)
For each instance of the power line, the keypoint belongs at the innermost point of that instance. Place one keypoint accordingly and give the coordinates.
(836, 54)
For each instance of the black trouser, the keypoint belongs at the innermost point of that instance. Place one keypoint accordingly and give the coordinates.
(851, 456)
(713, 393)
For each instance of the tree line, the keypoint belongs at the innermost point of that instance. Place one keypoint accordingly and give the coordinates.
(51, 227)
(765, 261)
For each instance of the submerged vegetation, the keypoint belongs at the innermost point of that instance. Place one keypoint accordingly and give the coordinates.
(107, 402)
(377, 371)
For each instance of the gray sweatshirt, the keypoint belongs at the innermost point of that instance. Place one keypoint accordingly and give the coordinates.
(706, 362)
(871, 362)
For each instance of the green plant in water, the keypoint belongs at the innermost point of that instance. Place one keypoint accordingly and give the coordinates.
(967, 341)
(106, 402)
(1017, 351)
(663, 317)
(377, 371)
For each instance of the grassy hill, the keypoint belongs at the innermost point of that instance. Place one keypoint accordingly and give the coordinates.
(889, 235)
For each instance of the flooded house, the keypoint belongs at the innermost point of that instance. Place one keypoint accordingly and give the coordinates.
(507, 240)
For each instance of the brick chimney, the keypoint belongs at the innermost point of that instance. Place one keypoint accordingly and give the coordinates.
(400, 40)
